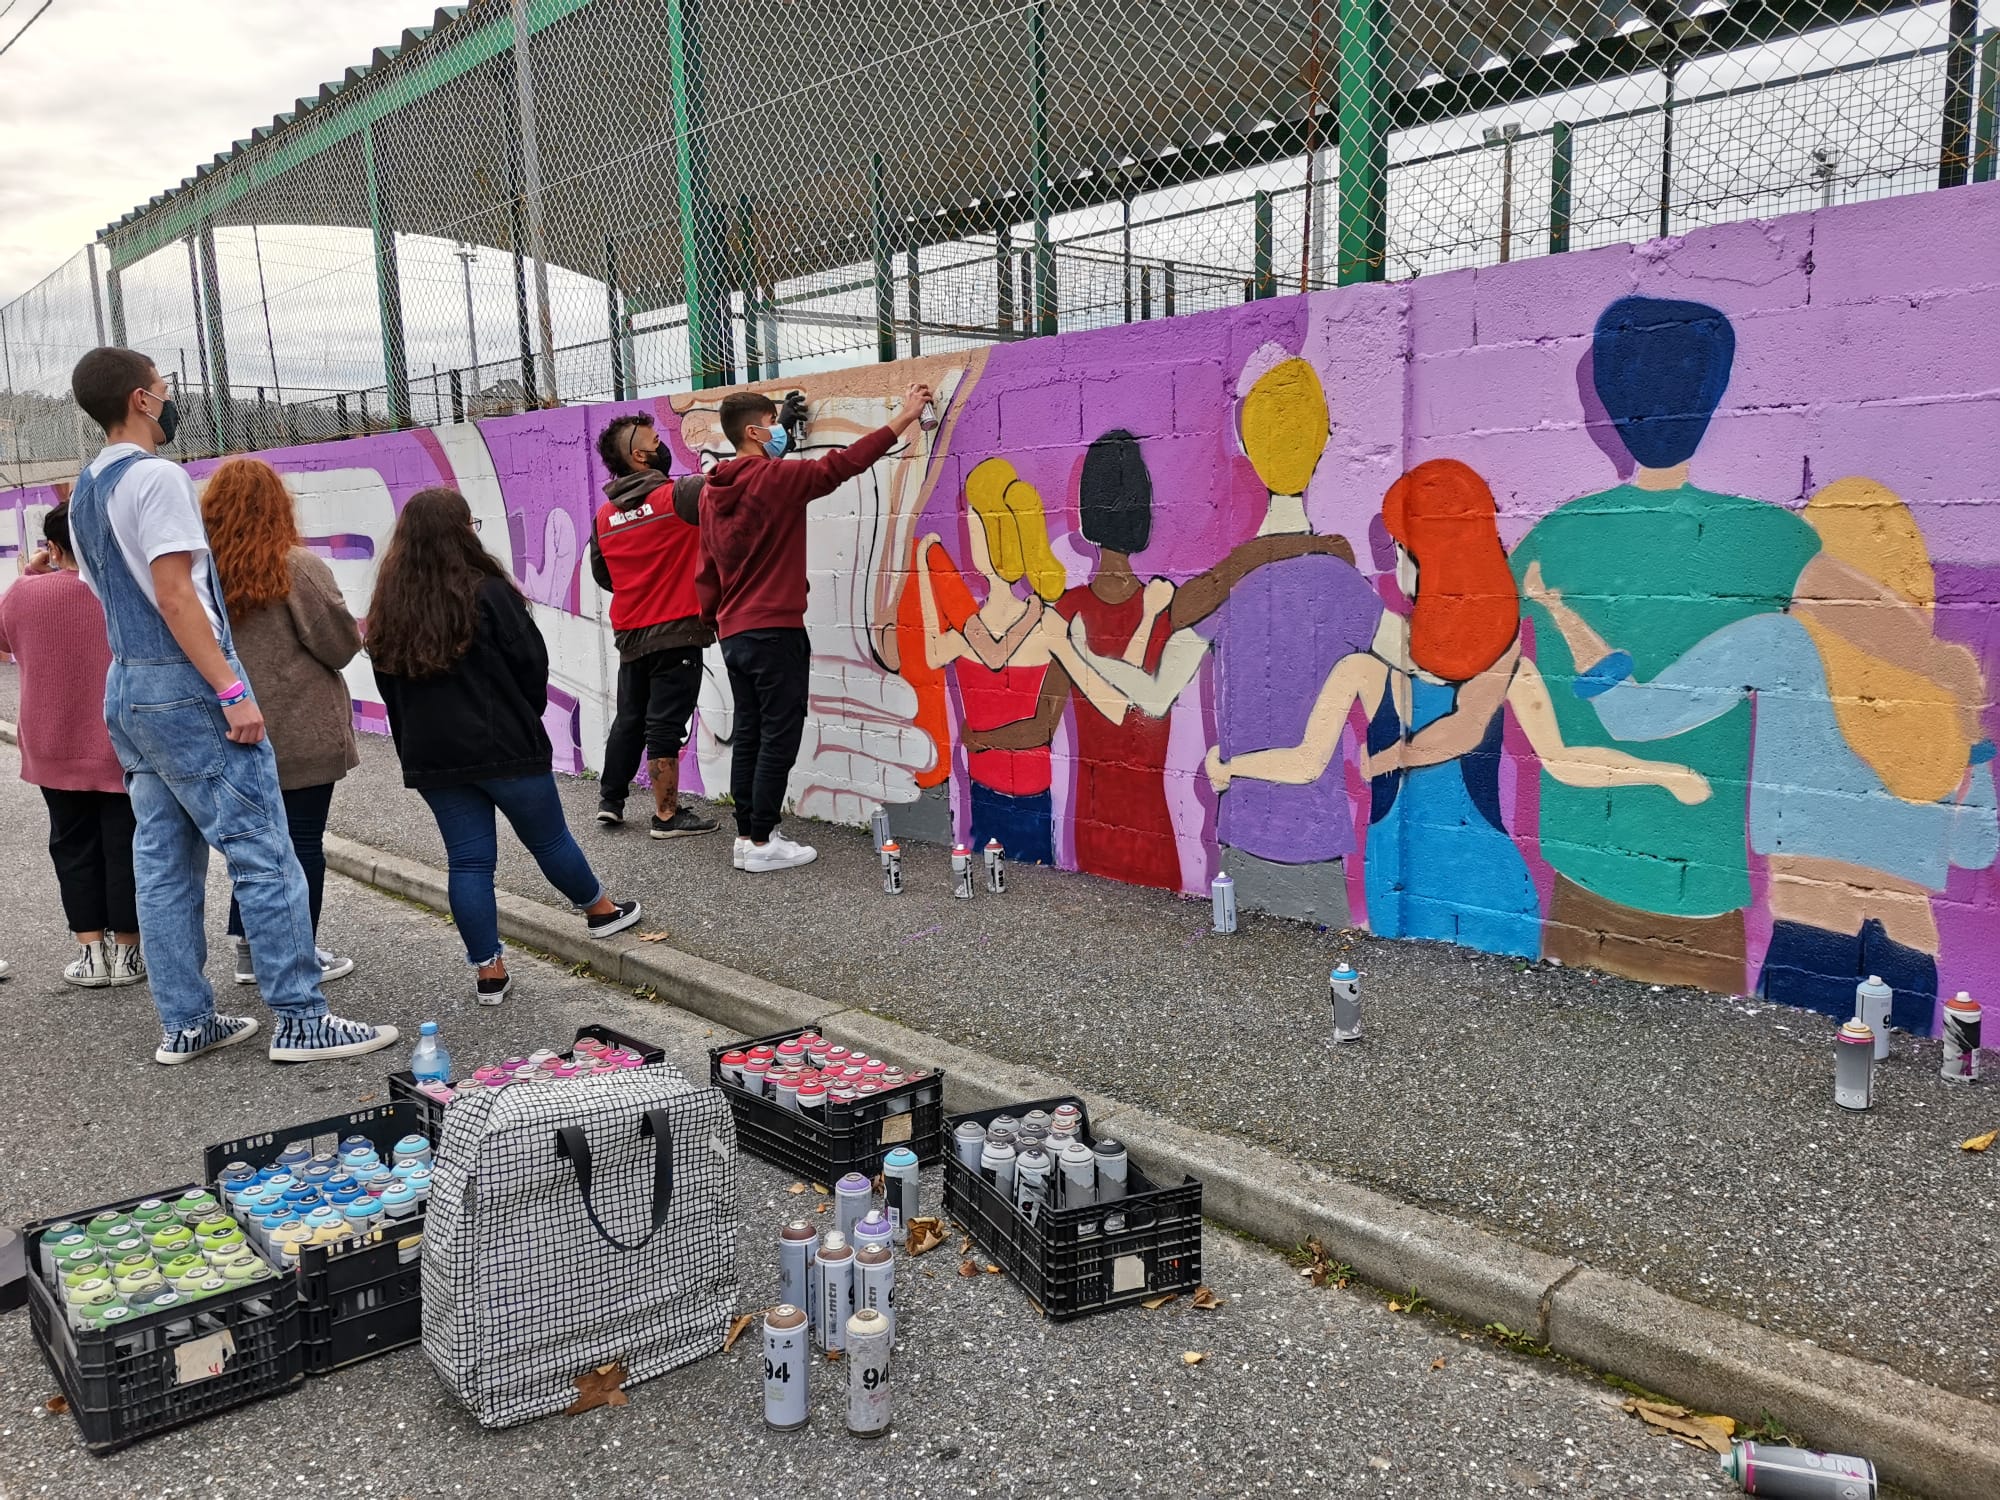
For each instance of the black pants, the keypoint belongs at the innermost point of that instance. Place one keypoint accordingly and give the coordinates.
(769, 672)
(305, 811)
(90, 840)
(656, 698)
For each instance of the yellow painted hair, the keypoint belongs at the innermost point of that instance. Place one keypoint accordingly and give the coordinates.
(1017, 530)
(1907, 727)
(1283, 424)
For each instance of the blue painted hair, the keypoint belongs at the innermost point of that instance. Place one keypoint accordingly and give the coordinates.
(1660, 368)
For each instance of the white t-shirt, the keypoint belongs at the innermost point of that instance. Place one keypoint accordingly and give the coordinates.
(153, 512)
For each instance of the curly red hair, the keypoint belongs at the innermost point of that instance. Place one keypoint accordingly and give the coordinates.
(1466, 613)
(252, 529)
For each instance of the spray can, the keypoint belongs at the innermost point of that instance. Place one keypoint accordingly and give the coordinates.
(874, 1229)
(892, 868)
(1113, 1169)
(961, 871)
(996, 1165)
(899, 1187)
(1078, 1165)
(1872, 999)
(796, 1244)
(996, 867)
(875, 1283)
(1222, 897)
(851, 1197)
(966, 1141)
(1066, 1120)
(785, 1368)
(1798, 1473)
(868, 1374)
(878, 824)
(1961, 1039)
(1031, 1183)
(1854, 1066)
(1345, 988)
(836, 1290)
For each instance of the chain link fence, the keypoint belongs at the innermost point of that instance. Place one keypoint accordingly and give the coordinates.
(530, 202)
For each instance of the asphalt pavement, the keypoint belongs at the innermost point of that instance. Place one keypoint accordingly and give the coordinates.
(1301, 1390)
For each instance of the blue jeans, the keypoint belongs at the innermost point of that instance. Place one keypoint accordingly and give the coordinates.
(465, 818)
(192, 791)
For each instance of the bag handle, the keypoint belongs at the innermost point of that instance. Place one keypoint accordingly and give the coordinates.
(573, 1145)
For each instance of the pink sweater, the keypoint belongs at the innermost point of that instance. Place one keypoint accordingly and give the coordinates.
(54, 626)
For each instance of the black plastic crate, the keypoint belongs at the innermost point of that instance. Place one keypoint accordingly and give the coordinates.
(430, 1113)
(853, 1137)
(365, 1297)
(150, 1374)
(1067, 1263)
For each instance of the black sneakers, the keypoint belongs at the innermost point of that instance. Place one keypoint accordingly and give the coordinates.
(492, 991)
(685, 823)
(610, 813)
(621, 916)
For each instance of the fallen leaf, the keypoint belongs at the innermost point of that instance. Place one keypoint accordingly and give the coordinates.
(1154, 1304)
(927, 1233)
(1395, 1306)
(1980, 1142)
(822, 1189)
(1205, 1299)
(736, 1331)
(824, 1206)
(968, 1268)
(1700, 1431)
(654, 937)
(796, 1188)
(1436, 1364)
(1192, 1358)
(965, 1244)
(56, 1405)
(600, 1387)
(832, 1355)
(991, 1269)
(370, 1099)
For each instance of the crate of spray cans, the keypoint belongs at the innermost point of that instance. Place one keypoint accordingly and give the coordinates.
(157, 1311)
(601, 1045)
(340, 1203)
(822, 1110)
(1069, 1216)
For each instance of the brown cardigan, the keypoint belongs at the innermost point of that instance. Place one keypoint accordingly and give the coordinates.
(292, 652)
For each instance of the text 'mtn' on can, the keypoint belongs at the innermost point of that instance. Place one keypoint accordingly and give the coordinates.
(798, 1242)
(1778, 1473)
(892, 868)
(835, 1268)
(868, 1345)
(961, 871)
(786, 1363)
(1961, 1039)
(1222, 900)
(1854, 1066)
(1344, 988)
(996, 867)
(899, 1188)
(875, 1283)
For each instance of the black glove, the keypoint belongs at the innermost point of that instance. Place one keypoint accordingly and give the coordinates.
(792, 416)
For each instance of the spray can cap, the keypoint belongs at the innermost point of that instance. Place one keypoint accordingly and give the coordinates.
(902, 1156)
(1962, 1002)
(1345, 971)
(1860, 1033)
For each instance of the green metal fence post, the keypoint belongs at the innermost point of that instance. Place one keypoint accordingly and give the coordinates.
(1263, 282)
(1562, 170)
(878, 244)
(1038, 182)
(1364, 143)
(388, 289)
(1955, 149)
(613, 307)
(1988, 141)
(913, 278)
(221, 405)
(710, 357)
(748, 281)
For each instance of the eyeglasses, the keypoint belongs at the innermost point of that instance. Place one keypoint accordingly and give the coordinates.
(477, 524)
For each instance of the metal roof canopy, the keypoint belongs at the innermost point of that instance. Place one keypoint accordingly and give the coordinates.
(437, 110)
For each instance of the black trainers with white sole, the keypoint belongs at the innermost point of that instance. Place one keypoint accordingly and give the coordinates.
(492, 991)
(211, 1035)
(610, 814)
(314, 1038)
(621, 916)
(685, 823)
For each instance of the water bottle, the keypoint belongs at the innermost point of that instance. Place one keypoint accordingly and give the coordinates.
(429, 1061)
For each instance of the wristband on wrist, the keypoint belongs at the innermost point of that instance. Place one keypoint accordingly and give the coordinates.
(232, 695)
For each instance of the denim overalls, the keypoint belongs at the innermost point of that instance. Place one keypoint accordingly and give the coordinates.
(192, 790)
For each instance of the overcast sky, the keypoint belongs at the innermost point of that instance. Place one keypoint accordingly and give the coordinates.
(106, 102)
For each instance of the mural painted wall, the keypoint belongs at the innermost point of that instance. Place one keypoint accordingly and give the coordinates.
(1633, 607)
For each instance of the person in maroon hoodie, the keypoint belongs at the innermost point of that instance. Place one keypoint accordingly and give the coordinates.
(753, 584)
(644, 556)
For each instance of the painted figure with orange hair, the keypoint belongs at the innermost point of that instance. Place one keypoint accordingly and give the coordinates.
(1868, 782)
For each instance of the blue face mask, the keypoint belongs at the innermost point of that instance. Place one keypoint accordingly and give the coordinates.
(776, 444)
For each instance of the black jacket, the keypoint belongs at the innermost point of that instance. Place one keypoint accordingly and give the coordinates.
(482, 720)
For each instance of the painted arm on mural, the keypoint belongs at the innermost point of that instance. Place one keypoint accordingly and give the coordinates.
(1588, 765)
(1031, 733)
(1202, 595)
(942, 645)
(1360, 676)
(1124, 679)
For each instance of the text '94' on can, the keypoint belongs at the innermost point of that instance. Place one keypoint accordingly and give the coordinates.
(868, 1348)
(786, 1363)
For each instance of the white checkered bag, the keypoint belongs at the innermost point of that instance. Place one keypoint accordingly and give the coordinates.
(575, 1224)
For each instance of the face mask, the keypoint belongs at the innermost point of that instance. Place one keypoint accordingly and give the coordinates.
(659, 462)
(776, 444)
(169, 419)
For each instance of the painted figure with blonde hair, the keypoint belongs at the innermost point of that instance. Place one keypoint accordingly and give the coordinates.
(997, 655)
(1868, 782)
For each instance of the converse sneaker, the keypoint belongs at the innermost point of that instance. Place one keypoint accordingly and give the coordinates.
(312, 1038)
(610, 813)
(91, 968)
(128, 964)
(779, 854)
(245, 974)
(621, 916)
(332, 966)
(684, 823)
(492, 991)
(211, 1035)
(737, 854)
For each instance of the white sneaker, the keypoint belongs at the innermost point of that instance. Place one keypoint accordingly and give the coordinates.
(779, 854)
(736, 856)
(311, 1038)
(332, 966)
(127, 964)
(90, 969)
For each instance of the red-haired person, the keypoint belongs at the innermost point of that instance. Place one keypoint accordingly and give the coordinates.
(294, 635)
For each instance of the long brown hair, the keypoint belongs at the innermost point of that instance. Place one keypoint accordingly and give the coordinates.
(252, 529)
(426, 602)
